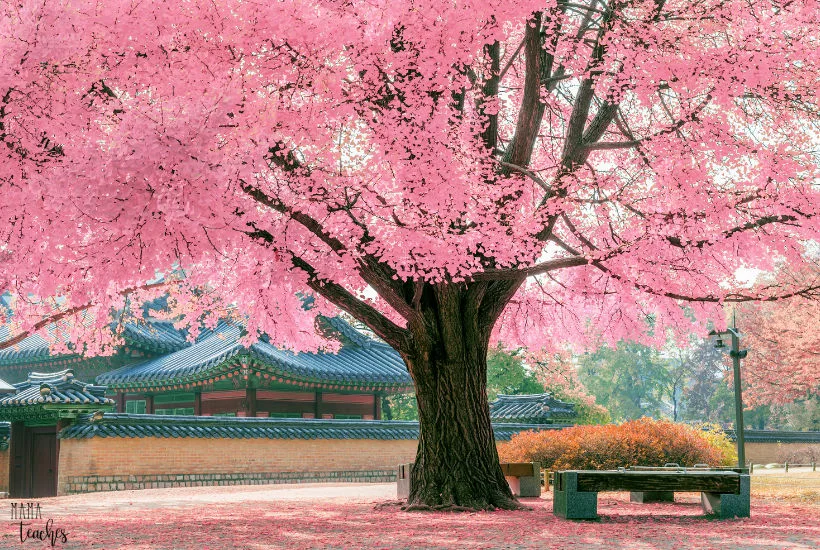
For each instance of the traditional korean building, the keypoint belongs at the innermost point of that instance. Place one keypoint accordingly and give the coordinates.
(159, 371)
(163, 379)
(38, 409)
(540, 408)
(219, 376)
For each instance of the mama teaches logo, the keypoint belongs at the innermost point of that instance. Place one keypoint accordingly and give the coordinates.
(31, 530)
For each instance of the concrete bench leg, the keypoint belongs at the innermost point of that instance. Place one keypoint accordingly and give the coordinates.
(568, 502)
(515, 485)
(530, 486)
(642, 497)
(524, 486)
(729, 506)
(403, 481)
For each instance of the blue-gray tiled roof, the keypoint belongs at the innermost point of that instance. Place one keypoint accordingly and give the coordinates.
(534, 408)
(5, 387)
(154, 335)
(151, 335)
(32, 349)
(361, 361)
(776, 436)
(125, 425)
(55, 388)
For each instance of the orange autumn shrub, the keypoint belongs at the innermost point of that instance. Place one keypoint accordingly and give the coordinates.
(643, 442)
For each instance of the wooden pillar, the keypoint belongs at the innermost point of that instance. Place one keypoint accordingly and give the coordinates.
(377, 407)
(120, 401)
(149, 404)
(250, 398)
(197, 403)
(317, 407)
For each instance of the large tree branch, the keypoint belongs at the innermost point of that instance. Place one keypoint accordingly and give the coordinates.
(51, 319)
(537, 269)
(811, 291)
(578, 132)
(306, 221)
(386, 329)
(755, 224)
(341, 297)
(490, 92)
(373, 272)
(532, 109)
(592, 144)
(529, 173)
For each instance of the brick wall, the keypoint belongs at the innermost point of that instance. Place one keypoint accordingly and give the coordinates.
(106, 463)
(766, 453)
(763, 453)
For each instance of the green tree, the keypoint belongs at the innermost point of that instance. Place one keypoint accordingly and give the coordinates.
(803, 415)
(400, 407)
(507, 374)
(630, 381)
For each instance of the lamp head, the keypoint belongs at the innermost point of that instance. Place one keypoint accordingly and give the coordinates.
(717, 338)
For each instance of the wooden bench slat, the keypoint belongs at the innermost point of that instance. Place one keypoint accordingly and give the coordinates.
(518, 469)
(709, 482)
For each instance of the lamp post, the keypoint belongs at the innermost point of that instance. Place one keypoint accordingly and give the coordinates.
(736, 354)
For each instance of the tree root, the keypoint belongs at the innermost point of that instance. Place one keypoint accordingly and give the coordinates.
(390, 504)
(439, 508)
(499, 504)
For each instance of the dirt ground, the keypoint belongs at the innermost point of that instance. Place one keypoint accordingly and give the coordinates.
(363, 516)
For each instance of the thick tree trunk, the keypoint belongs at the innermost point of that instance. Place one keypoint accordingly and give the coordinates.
(457, 464)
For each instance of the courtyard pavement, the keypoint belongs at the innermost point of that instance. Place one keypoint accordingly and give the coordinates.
(193, 497)
(340, 515)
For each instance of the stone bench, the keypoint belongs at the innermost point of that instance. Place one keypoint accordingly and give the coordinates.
(723, 493)
(524, 478)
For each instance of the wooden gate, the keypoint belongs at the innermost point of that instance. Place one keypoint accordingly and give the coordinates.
(33, 461)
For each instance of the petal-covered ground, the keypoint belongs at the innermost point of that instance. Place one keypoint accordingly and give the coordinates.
(356, 516)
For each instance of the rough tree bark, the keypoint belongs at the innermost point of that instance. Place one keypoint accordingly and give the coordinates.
(457, 464)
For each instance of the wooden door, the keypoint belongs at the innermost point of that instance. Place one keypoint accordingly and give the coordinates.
(43, 462)
(19, 450)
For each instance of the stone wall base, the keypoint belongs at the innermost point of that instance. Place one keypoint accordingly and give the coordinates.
(88, 484)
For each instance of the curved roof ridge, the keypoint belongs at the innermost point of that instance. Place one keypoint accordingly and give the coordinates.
(360, 361)
(54, 387)
(49, 377)
(525, 396)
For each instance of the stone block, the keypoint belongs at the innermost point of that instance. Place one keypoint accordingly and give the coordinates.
(403, 474)
(514, 484)
(727, 505)
(529, 486)
(568, 502)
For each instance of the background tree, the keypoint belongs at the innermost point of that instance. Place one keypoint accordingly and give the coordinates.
(630, 381)
(783, 365)
(507, 374)
(558, 372)
(401, 406)
(483, 169)
(707, 395)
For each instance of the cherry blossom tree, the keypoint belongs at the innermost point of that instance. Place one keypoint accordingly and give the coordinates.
(783, 364)
(446, 172)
